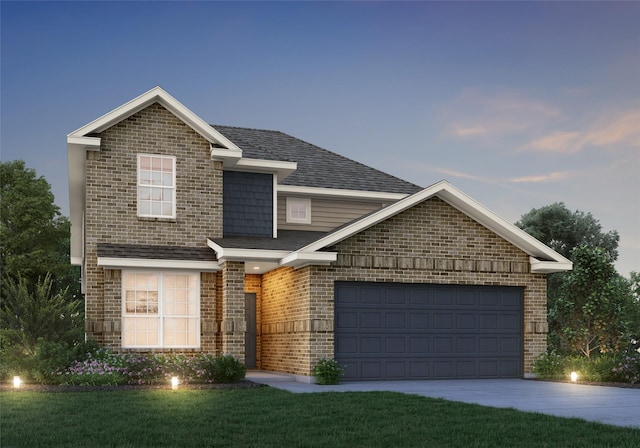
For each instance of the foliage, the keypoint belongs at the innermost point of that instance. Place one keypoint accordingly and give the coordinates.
(623, 368)
(562, 230)
(34, 237)
(591, 310)
(107, 368)
(328, 371)
(628, 368)
(267, 417)
(26, 316)
(224, 369)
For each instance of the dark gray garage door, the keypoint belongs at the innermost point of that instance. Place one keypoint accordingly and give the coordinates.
(419, 331)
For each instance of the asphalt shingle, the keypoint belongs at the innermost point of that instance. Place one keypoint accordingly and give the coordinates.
(317, 167)
(155, 252)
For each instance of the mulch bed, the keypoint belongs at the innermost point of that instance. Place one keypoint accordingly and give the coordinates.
(593, 383)
(56, 388)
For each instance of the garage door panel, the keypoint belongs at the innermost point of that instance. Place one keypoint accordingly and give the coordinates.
(425, 331)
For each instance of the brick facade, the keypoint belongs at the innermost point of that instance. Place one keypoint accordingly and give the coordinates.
(430, 243)
(111, 210)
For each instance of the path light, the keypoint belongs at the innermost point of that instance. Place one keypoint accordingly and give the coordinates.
(17, 382)
(174, 382)
(574, 377)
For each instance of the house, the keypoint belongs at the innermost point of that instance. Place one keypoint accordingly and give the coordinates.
(201, 238)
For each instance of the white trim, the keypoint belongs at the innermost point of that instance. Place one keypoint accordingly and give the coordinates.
(282, 169)
(159, 95)
(457, 199)
(83, 142)
(274, 202)
(161, 313)
(341, 193)
(153, 263)
(234, 254)
(300, 259)
(290, 201)
(173, 188)
(548, 267)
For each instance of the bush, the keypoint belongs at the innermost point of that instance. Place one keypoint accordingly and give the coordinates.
(548, 365)
(224, 369)
(597, 369)
(627, 368)
(327, 371)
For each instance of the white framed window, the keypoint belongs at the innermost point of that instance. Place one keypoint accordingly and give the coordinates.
(156, 186)
(160, 309)
(298, 211)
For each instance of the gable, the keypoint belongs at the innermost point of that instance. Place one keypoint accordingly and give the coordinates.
(435, 234)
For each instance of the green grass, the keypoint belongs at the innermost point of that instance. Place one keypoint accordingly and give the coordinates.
(266, 417)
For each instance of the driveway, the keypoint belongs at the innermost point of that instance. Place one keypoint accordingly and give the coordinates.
(610, 405)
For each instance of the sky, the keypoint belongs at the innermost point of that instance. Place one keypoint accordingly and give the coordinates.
(518, 104)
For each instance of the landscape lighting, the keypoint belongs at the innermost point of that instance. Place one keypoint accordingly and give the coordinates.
(17, 382)
(574, 377)
(174, 382)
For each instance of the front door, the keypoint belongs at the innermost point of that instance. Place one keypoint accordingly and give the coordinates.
(250, 335)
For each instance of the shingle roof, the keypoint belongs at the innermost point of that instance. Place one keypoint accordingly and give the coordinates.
(287, 240)
(317, 167)
(155, 252)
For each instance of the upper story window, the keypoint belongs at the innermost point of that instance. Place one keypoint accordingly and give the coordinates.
(298, 211)
(156, 186)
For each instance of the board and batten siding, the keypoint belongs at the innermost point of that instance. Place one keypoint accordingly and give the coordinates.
(326, 214)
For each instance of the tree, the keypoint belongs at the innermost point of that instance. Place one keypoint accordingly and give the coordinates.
(28, 315)
(34, 236)
(593, 309)
(562, 230)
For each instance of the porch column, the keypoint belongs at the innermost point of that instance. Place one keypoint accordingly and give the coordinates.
(233, 324)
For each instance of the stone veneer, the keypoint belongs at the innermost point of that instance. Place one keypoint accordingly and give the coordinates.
(430, 243)
(111, 211)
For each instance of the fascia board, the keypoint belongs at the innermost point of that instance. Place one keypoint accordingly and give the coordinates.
(146, 263)
(340, 193)
(157, 94)
(297, 259)
(281, 168)
(235, 254)
(548, 267)
(76, 172)
(83, 142)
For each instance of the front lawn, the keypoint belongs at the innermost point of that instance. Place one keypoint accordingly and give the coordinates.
(266, 417)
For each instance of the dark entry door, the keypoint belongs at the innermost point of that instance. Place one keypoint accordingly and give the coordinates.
(421, 331)
(250, 335)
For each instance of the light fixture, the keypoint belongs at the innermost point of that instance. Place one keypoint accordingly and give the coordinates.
(17, 382)
(256, 267)
(174, 382)
(574, 377)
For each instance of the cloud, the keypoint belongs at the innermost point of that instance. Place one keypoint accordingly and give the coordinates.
(474, 114)
(620, 130)
(556, 176)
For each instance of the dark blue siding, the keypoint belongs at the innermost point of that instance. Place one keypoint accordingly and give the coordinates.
(248, 204)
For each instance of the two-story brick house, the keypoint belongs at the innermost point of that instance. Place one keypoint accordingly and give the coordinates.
(201, 238)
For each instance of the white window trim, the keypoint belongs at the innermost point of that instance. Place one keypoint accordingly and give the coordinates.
(161, 315)
(295, 220)
(173, 189)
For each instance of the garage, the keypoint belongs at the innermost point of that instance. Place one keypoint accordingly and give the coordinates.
(400, 331)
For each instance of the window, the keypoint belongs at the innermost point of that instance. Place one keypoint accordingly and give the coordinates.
(298, 211)
(160, 309)
(156, 186)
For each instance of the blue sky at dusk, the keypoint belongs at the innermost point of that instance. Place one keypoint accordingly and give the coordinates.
(519, 104)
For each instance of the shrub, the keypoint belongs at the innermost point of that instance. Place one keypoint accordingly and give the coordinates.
(628, 368)
(548, 365)
(327, 371)
(224, 369)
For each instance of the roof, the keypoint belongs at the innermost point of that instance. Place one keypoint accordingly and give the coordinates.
(155, 252)
(543, 259)
(317, 167)
(288, 240)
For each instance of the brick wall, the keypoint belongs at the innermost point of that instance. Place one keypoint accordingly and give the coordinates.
(111, 198)
(429, 243)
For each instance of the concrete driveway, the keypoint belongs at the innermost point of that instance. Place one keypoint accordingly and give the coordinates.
(610, 405)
